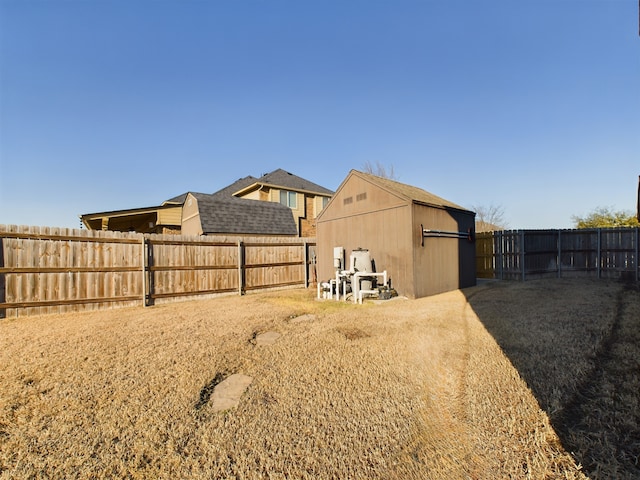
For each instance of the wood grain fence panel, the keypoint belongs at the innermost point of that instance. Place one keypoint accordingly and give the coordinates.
(485, 255)
(51, 270)
(608, 253)
(274, 264)
(186, 266)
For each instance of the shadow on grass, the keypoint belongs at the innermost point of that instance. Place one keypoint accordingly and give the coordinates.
(577, 345)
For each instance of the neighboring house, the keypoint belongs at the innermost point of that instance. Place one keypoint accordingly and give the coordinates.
(305, 199)
(165, 218)
(221, 213)
(204, 214)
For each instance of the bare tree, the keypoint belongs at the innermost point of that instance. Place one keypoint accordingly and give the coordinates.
(489, 218)
(379, 170)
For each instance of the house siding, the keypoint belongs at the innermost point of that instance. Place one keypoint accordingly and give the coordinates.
(170, 216)
(191, 223)
(308, 225)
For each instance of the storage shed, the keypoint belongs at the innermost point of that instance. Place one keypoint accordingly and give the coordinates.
(424, 242)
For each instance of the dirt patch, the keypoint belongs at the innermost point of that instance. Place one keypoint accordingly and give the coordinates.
(449, 386)
(351, 333)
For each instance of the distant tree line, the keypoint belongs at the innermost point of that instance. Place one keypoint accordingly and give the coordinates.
(606, 217)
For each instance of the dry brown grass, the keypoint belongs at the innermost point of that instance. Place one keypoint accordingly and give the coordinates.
(401, 390)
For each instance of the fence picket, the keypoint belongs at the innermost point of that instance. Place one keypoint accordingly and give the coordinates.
(46, 270)
(607, 252)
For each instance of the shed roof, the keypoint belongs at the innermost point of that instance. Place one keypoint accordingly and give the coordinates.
(408, 192)
(282, 179)
(222, 214)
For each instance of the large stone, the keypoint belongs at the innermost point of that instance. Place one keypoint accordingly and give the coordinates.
(307, 317)
(227, 393)
(267, 338)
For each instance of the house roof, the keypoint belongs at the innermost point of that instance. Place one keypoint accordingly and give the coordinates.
(409, 192)
(224, 192)
(221, 214)
(179, 200)
(239, 184)
(282, 179)
(277, 178)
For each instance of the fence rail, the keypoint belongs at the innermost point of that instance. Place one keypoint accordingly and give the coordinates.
(55, 270)
(520, 254)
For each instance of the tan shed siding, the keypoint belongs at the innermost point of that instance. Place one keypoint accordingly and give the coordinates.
(359, 196)
(191, 224)
(361, 215)
(442, 264)
(388, 223)
(383, 233)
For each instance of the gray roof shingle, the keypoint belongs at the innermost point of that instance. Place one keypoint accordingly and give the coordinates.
(230, 215)
(239, 184)
(282, 178)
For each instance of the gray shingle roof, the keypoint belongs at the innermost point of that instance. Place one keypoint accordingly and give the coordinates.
(239, 184)
(224, 192)
(230, 215)
(282, 178)
(179, 199)
(277, 178)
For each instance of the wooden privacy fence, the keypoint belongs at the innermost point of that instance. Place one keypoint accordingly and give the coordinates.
(54, 270)
(520, 254)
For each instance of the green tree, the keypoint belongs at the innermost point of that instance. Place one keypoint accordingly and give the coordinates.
(603, 217)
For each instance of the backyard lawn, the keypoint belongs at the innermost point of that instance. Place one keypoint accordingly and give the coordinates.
(504, 380)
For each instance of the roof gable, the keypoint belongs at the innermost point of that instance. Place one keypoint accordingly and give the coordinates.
(282, 179)
(408, 192)
(179, 200)
(391, 193)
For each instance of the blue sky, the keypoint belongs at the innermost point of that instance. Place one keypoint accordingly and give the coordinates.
(532, 105)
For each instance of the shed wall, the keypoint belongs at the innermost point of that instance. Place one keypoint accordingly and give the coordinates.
(384, 233)
(442, 264)
(362, 215)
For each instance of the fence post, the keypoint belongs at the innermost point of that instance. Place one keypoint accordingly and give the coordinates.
(241, 269)
(637, 252)
(149, 262)
(3, 295)
(305, 247)
(522, 253)
(559, 254)
(145, 283)
(599, 253)
(501, 254)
